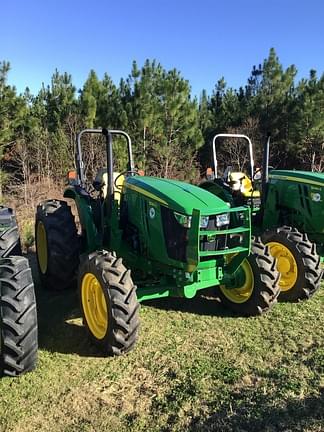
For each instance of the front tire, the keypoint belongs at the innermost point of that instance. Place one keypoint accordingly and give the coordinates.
(57, 244)
(298, 263)
(254, 288)
(109, 304)
(18, 317)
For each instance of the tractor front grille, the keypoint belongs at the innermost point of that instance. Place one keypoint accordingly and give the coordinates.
(213, 243)
(175, 236)
(226, 239)
(221, 242)
(212, 240)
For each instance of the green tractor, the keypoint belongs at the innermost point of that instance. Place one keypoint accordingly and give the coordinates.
(176, 238)
(287, 212)
(18, 315)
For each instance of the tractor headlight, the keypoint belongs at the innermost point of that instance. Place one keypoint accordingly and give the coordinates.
(204, 220)
(183, 220)
(222, 219)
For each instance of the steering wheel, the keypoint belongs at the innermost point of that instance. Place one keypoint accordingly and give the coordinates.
(257, 174)
(121, 174)
(259, 170)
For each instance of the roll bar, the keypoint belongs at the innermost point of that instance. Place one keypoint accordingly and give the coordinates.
(108, 134)
(224, 135)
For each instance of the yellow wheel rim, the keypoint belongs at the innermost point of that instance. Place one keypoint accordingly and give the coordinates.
(94, 305)
(286, 265)
(244, 291)
(41, 241)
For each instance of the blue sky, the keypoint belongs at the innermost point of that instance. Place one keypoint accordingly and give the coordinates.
(204, 39)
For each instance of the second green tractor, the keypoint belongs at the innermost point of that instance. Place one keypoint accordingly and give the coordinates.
(287, 213)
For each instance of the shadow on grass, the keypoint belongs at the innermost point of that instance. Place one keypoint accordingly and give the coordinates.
(59, 316)
(250, 410)
(199, 305)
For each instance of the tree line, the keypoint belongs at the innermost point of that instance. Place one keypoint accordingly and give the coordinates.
(171, 129)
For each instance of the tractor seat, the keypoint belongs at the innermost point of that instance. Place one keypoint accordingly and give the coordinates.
(102, 180)
(241, 182)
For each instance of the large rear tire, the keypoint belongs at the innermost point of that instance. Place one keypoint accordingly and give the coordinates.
(109, 304)
(57, 244)
(254, 288)
(298, 263)
(18, 317)
(9, 234)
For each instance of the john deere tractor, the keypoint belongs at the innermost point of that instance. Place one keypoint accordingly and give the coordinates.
(18, 316)
(287, 212)
(176, 238)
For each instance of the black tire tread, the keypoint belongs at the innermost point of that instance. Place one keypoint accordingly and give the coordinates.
(62, 242)
(266, 278)
(9, 235)
(18, 317)
(124, 307)
(311, 270)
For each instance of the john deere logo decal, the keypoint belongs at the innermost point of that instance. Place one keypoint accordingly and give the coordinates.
(152, 213)
(316, 197)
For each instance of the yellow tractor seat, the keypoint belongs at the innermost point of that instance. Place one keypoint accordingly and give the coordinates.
(241, 182)
(102, 179)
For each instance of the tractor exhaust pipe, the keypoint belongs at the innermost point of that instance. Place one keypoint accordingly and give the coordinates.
(265, 167)
(110, 166)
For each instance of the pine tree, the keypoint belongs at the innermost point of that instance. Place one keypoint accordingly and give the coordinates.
(12, 121)
(162, 119)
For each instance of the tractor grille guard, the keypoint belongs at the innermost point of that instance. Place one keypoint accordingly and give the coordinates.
(207, 244)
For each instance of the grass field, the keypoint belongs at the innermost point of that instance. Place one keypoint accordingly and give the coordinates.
(195, 368)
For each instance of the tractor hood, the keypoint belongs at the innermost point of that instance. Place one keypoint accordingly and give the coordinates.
(179, 196)
(311, 178)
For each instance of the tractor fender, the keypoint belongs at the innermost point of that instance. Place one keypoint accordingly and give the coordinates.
(85, 213)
